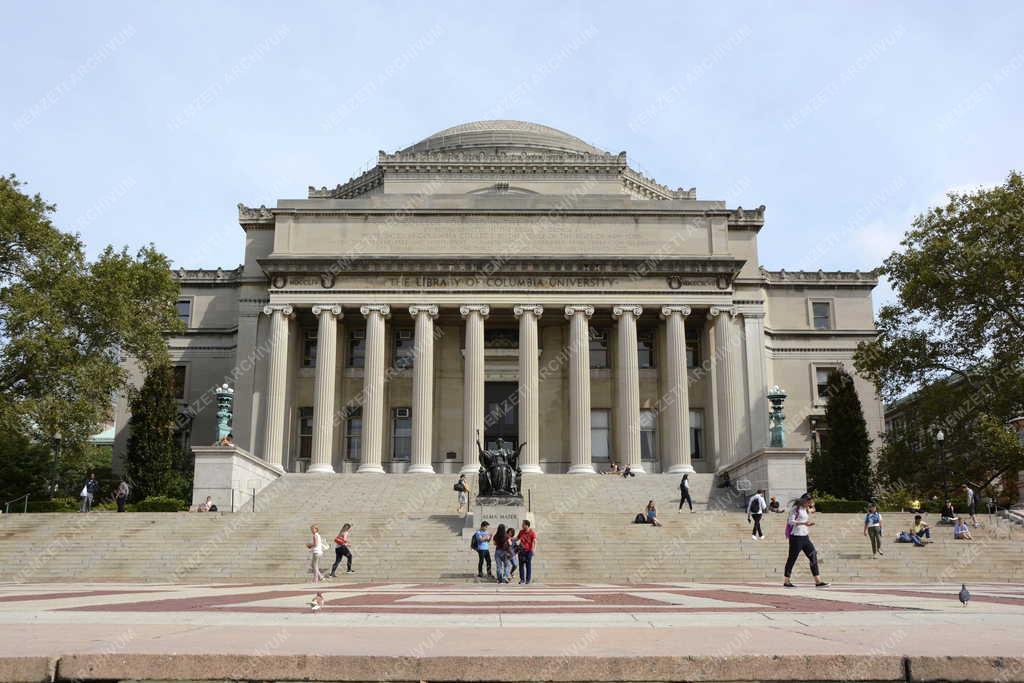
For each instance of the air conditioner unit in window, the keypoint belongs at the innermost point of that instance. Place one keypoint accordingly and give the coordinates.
(404, 335)
(403, 412)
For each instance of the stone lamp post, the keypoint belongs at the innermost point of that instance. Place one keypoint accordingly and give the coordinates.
(225, 399)
(776, 418)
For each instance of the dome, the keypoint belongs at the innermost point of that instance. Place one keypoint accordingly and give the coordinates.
(503, 134)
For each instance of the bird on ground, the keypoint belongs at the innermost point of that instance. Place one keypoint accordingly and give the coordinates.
(965, 595)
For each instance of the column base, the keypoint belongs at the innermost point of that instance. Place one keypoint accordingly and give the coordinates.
(470, 469)
(368, 468)
(581, 469)
(531, 469)
(637, 469)
(681, 469)
(320, 469)
(420, 469)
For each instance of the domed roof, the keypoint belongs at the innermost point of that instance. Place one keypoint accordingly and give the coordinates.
(504, 134)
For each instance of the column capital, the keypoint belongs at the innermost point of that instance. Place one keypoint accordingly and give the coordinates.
(333, 309)
(621, 309)
(670, 310)
(483, 309)
(753, 315)
(572, 309)
(383, 309)
(285, 309)
(536, 309)
(715, 311)
(429, 309)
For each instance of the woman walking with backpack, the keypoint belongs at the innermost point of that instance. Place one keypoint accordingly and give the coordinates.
(684, 493)
(798, 531)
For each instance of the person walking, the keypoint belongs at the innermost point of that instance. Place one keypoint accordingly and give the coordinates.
(972, 504)
(513, 552)
(316, 549)
(481, 544)
(873, 529)
(527, 540)
(88, 494)
(342, 550)
(463, 492)
(798, 530)
(121, 495)
(501, 554)
(755, 510)
(684, 493)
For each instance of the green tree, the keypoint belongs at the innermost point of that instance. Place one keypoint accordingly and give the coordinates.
(66, 322)
(152, 449)
(842, 466)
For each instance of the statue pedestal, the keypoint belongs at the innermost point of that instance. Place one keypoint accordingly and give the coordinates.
(495, 510)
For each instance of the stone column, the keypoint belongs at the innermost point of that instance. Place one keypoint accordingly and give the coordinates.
(277, 383)
(423, 389)
(373, 388)
(677, 392)
(580, 455)
(473, 386)
(726, 358)
(627, 388)
(757, 379)
(323, 388)
(529, 408)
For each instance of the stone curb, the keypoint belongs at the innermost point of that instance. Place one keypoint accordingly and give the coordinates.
(211, 667)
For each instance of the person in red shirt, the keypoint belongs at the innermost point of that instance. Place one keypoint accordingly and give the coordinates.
(527, 539)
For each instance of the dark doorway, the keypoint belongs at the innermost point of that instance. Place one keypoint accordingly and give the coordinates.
(501, 413)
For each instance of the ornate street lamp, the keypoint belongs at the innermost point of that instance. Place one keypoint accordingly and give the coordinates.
(941, 438)
(225, 400)
(776, 418)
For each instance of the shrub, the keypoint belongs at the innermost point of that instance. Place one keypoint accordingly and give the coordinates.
(55, 505)
(160, 504)
(828, 503)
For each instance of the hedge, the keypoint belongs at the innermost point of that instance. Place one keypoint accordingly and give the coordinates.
(840, 505)
(55, 505)
(160, 504)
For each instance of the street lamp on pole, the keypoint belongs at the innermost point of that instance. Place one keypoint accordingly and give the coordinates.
(941, 438)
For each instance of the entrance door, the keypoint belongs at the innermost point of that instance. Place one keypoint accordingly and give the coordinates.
(501, 414)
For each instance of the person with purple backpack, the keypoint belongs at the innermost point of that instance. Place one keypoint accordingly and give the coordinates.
(798, 533)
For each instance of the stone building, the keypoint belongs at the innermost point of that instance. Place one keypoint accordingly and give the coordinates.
(509, 280)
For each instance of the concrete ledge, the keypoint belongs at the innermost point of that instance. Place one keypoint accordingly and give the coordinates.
(26, 669)
(1002, 669)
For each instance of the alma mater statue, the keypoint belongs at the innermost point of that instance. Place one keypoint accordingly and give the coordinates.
(499, 469)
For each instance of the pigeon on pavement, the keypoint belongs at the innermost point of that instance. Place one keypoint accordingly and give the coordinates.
(965, 595)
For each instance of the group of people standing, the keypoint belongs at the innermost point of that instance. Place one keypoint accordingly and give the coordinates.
(512, 552)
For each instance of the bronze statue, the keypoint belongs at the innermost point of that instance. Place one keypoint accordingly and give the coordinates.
(499, 469)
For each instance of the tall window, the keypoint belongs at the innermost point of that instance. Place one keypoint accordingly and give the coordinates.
(405, 350)
(354, 433)
(309, 349)
(180, 373)
(598, 348)
(692, 354)
(305, 433)
(184, 310)
(357, 349)
(822, 313)
(645, 348)
(401, 434)
(821, 376)
(696, 434)
(648, 435)
(599, 434)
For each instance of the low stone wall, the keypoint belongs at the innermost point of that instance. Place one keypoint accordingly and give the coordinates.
(782, 472)
(229, 475)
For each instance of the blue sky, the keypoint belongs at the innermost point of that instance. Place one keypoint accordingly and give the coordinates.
(149, 122)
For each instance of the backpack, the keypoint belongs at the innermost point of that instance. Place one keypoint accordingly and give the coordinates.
(639, 519)
(459, 486)
(755, 506)
(789, 529)
(474, 542)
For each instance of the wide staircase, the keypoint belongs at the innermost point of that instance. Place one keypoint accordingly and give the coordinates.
(405, 529)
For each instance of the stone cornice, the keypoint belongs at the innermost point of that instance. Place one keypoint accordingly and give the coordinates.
(249, 217)
(743, 219)
(205, 276)
(784, 278)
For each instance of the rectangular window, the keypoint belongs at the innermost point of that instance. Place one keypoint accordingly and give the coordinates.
(696, 434)
(184, 310)
(354, 433)
(305, 433)
(180, 373)
(405, 351)
(401, 434)
(357, 349)
(598, 348)
(309, 349)
(648, 435)
(821, 376)
(599, 434)
(645, 348)
(692, 354)
(822, 313)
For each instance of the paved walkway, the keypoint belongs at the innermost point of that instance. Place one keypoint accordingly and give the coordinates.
(564, 622)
